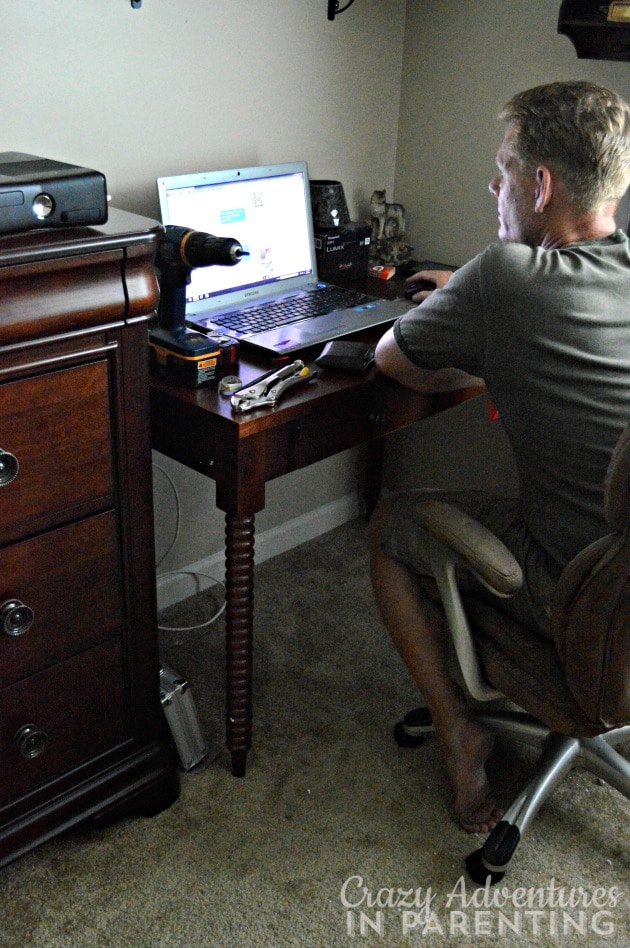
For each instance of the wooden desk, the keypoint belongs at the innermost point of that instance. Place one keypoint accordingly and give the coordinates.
(241, 453)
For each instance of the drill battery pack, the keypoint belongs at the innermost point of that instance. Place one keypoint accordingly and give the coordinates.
(192, 358)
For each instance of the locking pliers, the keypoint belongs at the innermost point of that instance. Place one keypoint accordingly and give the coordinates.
(265, 392)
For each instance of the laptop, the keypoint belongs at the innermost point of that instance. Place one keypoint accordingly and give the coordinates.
(271, 298)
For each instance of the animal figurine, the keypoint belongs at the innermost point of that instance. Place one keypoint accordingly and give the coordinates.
(388, 245)
(388, 220)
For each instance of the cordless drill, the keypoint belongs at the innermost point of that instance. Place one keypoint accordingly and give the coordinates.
(188, 356)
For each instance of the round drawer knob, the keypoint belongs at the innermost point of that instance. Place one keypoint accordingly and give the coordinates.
(9, 467)
(30, 742)
(15, 617)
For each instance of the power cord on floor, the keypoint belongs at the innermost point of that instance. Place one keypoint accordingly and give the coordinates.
(161, 576)
(201, 625)
(156, 467)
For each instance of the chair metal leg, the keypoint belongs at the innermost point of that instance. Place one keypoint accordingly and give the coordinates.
(514, 724)
(560, 754)
(621, 735)
(602, 760)
(493, 858)
(558, 758)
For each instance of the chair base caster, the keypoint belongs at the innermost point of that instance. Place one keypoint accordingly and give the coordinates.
(478, 872)
(411, 730)
(494, 856)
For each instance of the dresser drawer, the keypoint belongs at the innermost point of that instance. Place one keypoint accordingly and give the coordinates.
(76, 711)
(70, 579)
(57, 426)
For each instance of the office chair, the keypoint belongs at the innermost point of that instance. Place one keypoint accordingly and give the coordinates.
(573, 688)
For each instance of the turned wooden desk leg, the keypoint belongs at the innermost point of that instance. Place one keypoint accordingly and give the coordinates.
(373, 475)
(239, 617)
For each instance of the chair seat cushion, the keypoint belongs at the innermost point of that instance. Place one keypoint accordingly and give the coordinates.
(590, 625)
(525, 667)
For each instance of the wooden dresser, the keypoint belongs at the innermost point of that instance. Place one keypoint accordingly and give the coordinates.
(82, 734)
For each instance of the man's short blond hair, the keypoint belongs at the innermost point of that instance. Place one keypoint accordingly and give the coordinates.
(581, 131)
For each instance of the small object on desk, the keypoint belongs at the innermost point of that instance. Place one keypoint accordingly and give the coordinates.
(265, 391)
(190, 358)
(342, 253)
(380, 272)
(229, 384)
(416, 286)
(328, 203)
(389, 246)
(346, 356)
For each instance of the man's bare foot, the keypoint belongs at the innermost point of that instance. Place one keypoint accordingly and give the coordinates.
(465, 751)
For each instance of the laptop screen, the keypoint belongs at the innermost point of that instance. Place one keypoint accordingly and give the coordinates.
(266, 209)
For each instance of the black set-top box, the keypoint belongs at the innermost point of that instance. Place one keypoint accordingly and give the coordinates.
(39, 192)
(342, 253)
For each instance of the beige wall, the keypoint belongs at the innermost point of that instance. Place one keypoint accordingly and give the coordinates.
(462, 62)
(189, 85)
(193, 85)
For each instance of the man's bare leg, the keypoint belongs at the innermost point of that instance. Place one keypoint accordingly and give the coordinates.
(417, 629)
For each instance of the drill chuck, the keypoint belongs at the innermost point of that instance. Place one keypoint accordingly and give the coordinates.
(198, 249)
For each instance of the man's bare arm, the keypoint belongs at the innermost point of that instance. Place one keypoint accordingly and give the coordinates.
(391, 361)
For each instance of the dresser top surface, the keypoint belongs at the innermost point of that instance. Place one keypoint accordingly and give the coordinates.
(121, 230)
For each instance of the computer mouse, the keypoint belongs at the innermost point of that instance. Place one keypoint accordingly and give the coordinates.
(416, 286)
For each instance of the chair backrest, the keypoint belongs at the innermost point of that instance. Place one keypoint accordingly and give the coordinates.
(590, 620)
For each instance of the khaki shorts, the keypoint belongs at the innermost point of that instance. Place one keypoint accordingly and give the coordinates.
(404, 541)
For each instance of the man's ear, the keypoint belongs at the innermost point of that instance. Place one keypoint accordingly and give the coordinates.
(544, 188)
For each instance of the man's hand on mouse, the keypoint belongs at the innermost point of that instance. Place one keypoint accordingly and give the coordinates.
(422, 284)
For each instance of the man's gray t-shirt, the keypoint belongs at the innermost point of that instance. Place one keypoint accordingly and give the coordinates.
(549, 332)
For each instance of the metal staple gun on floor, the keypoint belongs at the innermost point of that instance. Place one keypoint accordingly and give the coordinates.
(265, 392)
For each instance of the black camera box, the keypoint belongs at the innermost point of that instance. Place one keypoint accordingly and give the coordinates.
(342, 253)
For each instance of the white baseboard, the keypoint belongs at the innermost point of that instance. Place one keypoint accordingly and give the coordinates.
(175, 586)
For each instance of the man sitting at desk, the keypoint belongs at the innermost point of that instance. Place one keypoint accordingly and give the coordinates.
(543, 318)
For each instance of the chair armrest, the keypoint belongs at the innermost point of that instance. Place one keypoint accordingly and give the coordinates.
(454, 537)
(474, 545)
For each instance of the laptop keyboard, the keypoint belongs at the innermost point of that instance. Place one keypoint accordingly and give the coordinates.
(290, 310)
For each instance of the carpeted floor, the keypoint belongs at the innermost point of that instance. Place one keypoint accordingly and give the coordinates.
(336, 836)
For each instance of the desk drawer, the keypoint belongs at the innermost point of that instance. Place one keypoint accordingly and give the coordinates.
(77, 710)
(57, 426)
(70, 578)
(346, 419)
(319, 435)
